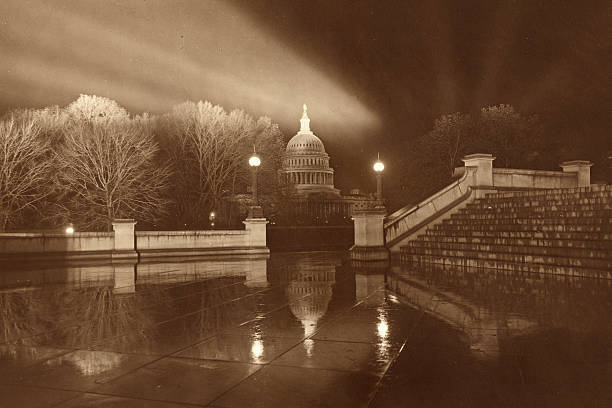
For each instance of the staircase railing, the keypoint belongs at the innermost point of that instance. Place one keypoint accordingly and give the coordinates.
(410, 218)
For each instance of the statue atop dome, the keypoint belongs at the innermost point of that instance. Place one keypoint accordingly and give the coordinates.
(305, 121)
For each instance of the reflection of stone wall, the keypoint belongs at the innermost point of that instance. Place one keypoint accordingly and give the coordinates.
(556, 300)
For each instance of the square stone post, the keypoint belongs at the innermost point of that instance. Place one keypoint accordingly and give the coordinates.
(484, 168)
(582, 168)
(124, 247)
(256, 229)
(369, 235)
(257, 273)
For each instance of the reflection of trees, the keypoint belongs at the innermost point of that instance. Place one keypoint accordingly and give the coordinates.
(221, 305)
(75, 317)
(19, 320)
(90, 315)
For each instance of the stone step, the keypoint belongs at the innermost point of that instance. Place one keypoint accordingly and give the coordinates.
(501, 223)
(594, 189)
(561, 261)
(511, 268)
(568, 198)
(448, 229)
(520, 241)
(418, 245)
(586, 204)
(576, 235)
(550, 214)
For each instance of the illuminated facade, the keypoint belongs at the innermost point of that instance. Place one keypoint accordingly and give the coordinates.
(306, 164)
(311, 198)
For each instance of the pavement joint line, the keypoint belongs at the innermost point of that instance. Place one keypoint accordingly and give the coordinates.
(89, 322)
(396, 357)
(337, 370)
(63, 353)
(290, 349)
(66, 400)
(171, 355)
(190, 313)
(94, 392)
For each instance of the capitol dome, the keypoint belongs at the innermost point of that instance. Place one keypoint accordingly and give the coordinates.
(305, 142)
(306, 164)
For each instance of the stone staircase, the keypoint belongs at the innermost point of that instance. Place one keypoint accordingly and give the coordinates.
(557, 231)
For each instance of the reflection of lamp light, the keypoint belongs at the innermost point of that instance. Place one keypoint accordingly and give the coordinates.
(70, 229)
(383, 329)
(257, 349)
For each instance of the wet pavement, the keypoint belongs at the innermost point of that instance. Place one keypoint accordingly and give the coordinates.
(301, 330)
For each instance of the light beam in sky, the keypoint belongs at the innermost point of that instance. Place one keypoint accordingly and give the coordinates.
(151, 55)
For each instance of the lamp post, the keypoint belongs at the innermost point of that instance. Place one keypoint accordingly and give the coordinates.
(378, 168)
(255, 162)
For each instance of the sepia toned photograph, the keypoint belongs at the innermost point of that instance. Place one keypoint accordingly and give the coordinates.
(305, 203)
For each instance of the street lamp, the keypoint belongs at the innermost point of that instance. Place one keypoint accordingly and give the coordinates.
(255, 162)
(70, 229)
(378, 168)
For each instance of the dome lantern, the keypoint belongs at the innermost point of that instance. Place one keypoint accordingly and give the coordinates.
(305, 121)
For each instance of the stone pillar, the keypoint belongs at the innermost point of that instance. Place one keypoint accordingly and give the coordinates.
(484, 168)
(124, 275)
(368, 287)
(257, 273)
(582, 168)
(256, 229)
(124, 246)
(369, 236)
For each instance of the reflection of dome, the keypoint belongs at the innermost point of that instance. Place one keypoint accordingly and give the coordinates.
(309, 300)
(309, 292)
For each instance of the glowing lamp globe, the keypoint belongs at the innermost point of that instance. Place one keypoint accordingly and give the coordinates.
(378, 166)
(70, 229)
(254, 161)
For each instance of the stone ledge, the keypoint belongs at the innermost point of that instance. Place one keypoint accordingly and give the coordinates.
(200, 252)
(189, 233)
(361, 253)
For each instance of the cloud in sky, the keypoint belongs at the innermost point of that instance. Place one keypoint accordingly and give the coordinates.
(151, 55)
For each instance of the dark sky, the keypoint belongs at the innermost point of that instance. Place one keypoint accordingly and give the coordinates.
(374, 73)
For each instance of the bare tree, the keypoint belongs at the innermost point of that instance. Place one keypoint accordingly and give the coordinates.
(25, 166)
(208, 149)
(110, 171)
(96, 109)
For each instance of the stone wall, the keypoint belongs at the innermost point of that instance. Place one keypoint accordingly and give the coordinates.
(126, 244)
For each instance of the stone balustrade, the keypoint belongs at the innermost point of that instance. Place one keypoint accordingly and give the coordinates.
(477, 178)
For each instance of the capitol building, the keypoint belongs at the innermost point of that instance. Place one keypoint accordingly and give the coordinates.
(306, 164)
(308, 182)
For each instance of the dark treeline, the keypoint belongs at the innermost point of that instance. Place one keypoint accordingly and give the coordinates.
(91, 162)
(515, 139)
